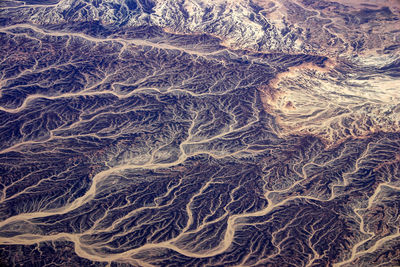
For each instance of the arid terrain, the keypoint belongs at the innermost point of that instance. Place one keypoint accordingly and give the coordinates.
(200, 133)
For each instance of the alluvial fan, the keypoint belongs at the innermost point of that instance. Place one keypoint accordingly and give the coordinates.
(200, 133)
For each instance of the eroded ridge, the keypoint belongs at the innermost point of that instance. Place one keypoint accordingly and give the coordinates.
(339, 101)
(128, 142)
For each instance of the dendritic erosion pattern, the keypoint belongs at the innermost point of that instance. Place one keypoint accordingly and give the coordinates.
(199, 133)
